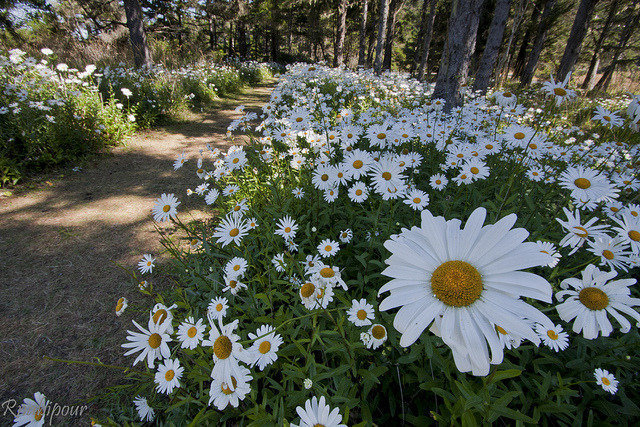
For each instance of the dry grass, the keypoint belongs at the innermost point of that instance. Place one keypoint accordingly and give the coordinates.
(60, 241)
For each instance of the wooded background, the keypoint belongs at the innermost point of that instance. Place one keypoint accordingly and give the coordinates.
(443, 40)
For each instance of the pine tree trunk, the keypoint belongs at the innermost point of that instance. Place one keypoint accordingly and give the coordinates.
(520, 11)
(576, 37)
(595, 59)
(338, 57)
(424, 15)
(394, 9)
(362, 45)
(382, 33)
(541, 36)
(426, 43)
(492, 47)
(521, 58)
(461, 40)
(137, 36)
(631, 24)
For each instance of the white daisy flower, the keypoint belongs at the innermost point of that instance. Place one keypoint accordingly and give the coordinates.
(578, 233)
(161, 315)
(346, 235)
(328, 247)
(152, 343)
(253, 223)
(358, 192)
(218, 308)
(231, 229)
(377, 336)
(554, 338)
(587, 185)
(233, 285)
(330, 195)
(317, 412)
(223, 393)
(311, 262)
(549, 249)
(286, 227)
(211, 196)
(227, 351)
(417, 199)
(265, 346)
(236, 266)
(121, 305)
(181, 160)
(629, 231)
(612, 252)
(166, 207)
(146, 264)
(361, 313)
(467, 280)
(438, 181)
(279, 263)
(190, 333)
(32, 411)
(145, 412)
(230, 190)
(592, 298)
(298, 193)
(168, 376)
(606, 380)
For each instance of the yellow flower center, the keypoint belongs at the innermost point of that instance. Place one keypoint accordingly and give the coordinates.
(582, 183)
(593, 298)
(236, 208)
(232, 283)
(155, 340)
(386, 175)
(378, 332)
(327, 272)
(552, 334)
(361, 314)
(236, 160)
(307, 290)
(328, 248)
(299, 119)
(417, 200)
(382, 135)
(499, 329)
(463, 176)
(507, 94)
(169, 375)
(38, 414)
(219, 307)
(489, 146)
(605, 381)
(559, 91)
(438, 182)
(456, 283)
(358, 192)
(234, 232)
(222, 347)
(160, 316)
(582, 232)
(324, 177)
(287, 230)
(475, 170)
(236, 267)
(192, 332)
(459, 155)
(225, 388)
(120, 304)
(166, 208)
(264, 348)
(519, 135)
(533, 146)
(607, 254)
(607, 118)
(634, 235)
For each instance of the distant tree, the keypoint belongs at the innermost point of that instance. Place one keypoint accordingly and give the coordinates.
(137, 35)
(461, 40)
(382, 33)
(546, 20)
(595, 58)
(394, 9)
(338, 57)
(362, 45)
(425, 45)
(492, 47)
(576, 37)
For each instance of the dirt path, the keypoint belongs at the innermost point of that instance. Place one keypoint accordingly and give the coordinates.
(58, 246)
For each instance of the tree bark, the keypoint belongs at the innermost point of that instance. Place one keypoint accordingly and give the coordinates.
(382, 32)
(424, 15)
(521, 58)
(137, 36)
(492, 47)
(631, 24)
(461, 40)
(338, 57)
(426, 43)
(362, 46)
(520, 10)
(576, 37)
(532, 63)
(595, 59)
(394, 9)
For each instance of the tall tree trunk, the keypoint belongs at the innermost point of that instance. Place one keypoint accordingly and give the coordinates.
(371, 50)
(520, 11)
(521, 58)
(426, 43)
(461, 40)
(541, 36)
(242, 40)
(338, 56)
(394, 9)
(382, 33)
(576, 37)
(362, 45)
(424, 14)
(492, 47)
(212, 32)
(631, 24)
(141, 54)
(595, 59)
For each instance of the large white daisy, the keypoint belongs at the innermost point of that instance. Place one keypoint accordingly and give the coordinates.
(468, 281)
(318, 413)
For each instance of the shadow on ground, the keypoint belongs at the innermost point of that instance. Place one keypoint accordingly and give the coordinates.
(61, 244)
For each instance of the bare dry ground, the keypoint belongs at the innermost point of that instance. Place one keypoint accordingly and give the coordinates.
(59, 246)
